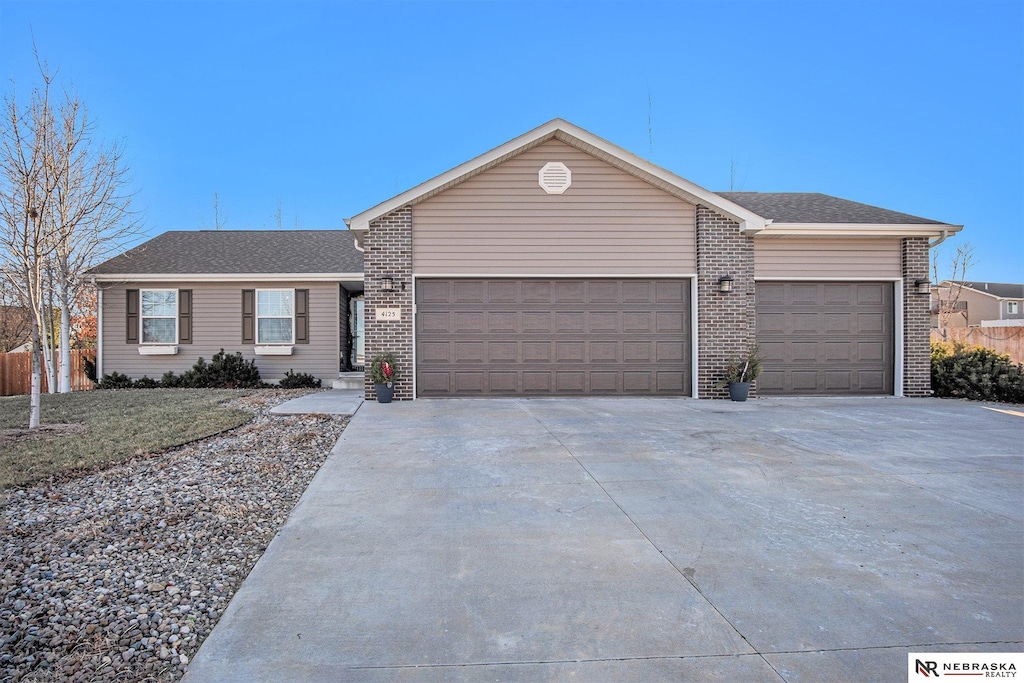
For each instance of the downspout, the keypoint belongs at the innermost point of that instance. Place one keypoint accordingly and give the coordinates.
(939, 240)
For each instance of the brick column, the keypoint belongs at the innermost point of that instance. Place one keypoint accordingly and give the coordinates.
(725, 321)
(917, 371)
(388, 253)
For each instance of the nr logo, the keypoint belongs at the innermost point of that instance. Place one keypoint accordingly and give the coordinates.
(927, 668)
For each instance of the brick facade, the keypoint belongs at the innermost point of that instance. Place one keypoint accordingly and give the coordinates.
(917, 379)
(388, 253)
(725, 321)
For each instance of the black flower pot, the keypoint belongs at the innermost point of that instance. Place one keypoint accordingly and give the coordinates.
(738, 391)
(385, 392)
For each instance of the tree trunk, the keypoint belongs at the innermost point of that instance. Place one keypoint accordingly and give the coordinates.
(47, 341)
(37, 379)
(64, 382)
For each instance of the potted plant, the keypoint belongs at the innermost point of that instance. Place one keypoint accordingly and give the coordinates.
(740, 372)
(383, 371)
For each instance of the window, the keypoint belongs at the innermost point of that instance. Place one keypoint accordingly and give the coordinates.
(275, 316)
(1012, 307)
(159, 316)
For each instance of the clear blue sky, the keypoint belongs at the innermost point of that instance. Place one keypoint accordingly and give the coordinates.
(326, 108)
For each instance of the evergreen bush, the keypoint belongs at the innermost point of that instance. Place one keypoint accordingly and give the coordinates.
(976, 373)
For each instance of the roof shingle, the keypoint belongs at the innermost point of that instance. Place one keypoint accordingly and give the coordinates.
(814, 207)
(239, 251)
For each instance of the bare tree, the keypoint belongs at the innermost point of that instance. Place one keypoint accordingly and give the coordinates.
(27, 186)
(15, 320)
(218, 220)
(950, 289)
(90, 213)
(63, 208)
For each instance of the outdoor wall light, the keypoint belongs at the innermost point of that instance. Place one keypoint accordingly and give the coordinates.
(923, 286)
(725, 284)
(389, 284)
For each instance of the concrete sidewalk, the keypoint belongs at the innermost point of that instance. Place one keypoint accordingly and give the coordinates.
(640, 540)
(333, 402)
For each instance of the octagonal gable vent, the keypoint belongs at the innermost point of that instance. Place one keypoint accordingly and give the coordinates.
(555, 177)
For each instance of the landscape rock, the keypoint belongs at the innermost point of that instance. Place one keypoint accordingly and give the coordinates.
(120, 574)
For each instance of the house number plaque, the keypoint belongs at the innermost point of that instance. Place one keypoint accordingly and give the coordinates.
(390, 314)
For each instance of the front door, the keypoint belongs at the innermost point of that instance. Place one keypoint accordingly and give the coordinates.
(355, 323)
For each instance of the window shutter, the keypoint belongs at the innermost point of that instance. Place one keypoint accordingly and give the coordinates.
(131, 316)
(184, 316)
(301, 316)
(248, 316)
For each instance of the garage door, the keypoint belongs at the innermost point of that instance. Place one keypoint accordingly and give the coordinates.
(825, 337)
(548, 337)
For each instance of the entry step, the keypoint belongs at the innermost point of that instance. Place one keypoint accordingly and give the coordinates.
(348, 380)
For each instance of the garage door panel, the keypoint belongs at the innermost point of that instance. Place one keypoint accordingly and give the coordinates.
(502, 322)
(469, 292)
(502, 352)
(469, 352)
(553, 337)
(438, 323)
(605, 352)
(825, 337)
(501, 292)
(474, 322)
(569, 323)
(538, 322)
(537, 352)
(570, 352)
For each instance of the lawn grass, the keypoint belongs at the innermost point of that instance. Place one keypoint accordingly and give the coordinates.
(118, 426)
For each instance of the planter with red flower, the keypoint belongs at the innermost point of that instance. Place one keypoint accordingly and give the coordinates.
(383, 372)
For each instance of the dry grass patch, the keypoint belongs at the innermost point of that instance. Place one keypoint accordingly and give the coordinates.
(89, 429)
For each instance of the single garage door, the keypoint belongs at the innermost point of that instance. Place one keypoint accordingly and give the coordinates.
(825, 337)
(552, 337)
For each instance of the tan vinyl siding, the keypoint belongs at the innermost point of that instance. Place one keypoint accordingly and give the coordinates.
(503, 222)
(826, 257)
(217, 324)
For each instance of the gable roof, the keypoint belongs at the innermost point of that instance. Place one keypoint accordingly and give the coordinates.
(797, 213)
(566, 132)
(999, 290)
(328, 254)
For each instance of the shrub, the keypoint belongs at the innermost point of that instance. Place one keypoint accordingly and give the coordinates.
(170, 380)
(89, 367)
(115, 380)
(383, 369)
(145, 383)
(976, 373)
(299, 381)
(224, 371)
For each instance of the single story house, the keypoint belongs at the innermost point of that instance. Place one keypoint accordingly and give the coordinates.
(557, 264)
(973, 304)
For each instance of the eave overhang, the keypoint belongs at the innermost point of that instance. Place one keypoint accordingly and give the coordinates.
(859, 230)
(226, 277)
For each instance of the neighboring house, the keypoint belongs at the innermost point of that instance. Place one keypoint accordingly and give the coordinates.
(282, 297)
(560, 264)
(15, 329)
(973, 304)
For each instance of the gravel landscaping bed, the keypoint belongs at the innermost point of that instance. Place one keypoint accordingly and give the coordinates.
(120, 574)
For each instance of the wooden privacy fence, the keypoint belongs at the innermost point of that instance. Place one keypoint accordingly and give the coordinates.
(1008, 340)
(16, 372)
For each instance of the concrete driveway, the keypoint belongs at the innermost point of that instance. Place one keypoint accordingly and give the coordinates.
(640, 540)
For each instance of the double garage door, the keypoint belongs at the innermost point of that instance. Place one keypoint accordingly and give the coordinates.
(575, 337)
(829, 338)
(553, 337)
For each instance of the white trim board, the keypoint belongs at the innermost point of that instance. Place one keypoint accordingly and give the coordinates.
(226, 277)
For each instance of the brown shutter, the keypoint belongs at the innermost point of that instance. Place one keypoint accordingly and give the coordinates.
(184, 316)
(131, 316)
(248, 316)
(301, 316)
